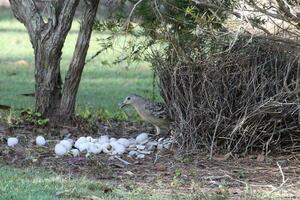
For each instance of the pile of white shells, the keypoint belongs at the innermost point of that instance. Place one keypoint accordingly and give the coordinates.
(134, 147)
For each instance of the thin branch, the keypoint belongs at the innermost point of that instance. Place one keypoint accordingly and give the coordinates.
(283, 179)
(131, 12)
(26, 12)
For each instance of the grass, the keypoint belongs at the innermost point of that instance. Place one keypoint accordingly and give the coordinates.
(103, 84)
(40, 184)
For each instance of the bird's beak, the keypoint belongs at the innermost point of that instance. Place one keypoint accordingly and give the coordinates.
(122, 104)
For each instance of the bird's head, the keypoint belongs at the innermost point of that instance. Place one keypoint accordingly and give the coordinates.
(131, 100)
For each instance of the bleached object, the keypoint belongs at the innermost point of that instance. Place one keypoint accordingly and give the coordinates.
(123, 141)
(89, 138)
(133, 153)
(140, 147)
(94, 149)
(117, 148)
(142, 138)
(80, 141)
(40, 140)
(167, 145)
(151, 145)
(144, 152)
(60, 149)
(140, 156)
(12, 141)
(75, 152)
(106, 147)
(103, 139)
(160, 146)
(132, 141)
(84, 146)
(112, 139)
(68, 143)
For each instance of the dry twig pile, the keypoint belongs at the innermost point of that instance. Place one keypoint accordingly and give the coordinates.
(242, 100)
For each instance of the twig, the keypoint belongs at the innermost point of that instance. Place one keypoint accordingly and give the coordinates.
(214, 136)
(283, 179)
(156, 158)
(132, 11)
(123, 161)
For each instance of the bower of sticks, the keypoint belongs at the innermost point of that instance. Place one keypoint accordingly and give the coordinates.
(242, 100)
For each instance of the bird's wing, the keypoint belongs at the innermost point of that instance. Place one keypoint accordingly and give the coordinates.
(158, 110)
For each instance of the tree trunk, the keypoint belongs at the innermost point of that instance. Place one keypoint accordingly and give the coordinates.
(73, 77)
(47, 39)
(47, 80)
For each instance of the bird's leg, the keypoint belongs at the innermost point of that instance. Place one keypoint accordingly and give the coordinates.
(157, 130)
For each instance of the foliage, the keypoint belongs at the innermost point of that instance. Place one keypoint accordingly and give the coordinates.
(167, 26)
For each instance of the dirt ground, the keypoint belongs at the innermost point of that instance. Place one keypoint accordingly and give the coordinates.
(165, 171)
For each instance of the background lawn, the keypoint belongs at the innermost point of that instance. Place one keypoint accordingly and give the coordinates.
(103, 84)
(39, 184)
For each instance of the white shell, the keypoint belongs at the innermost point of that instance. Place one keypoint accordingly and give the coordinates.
(160, 146)
(67, 144)
(79, 141)
(94, 149)
(123, 141)
(117, 148)
(167, 146)
(89, 138)
(132, 141)
(142, 138)
(60, 149)
(141, 156)
(75, 152)
(144, 152)
(40, 140)
(106, 148)
(140, 147)
(133, 153)
(84, 146)
(12, 141)
(103, 139)
(151, 145)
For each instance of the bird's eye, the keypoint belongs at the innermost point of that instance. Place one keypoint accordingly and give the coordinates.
(128, 98)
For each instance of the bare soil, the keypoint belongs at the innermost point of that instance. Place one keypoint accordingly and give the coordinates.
(163, 171)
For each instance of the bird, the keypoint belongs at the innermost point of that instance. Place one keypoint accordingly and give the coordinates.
(154, 113)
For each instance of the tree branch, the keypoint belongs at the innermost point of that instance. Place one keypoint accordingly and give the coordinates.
(26, 12)
(73, 76)
(65, 19)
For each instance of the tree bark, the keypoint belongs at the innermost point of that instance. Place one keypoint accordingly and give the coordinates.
(47, 60)
(73, 77)
(47, 39)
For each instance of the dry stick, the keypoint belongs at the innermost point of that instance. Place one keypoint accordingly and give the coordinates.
(123, 161)
(132, 11)
(213, 140)
(283, 179)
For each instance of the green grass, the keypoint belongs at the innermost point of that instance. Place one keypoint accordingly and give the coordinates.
(38, 183)
(42, 185)
(103, 84)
